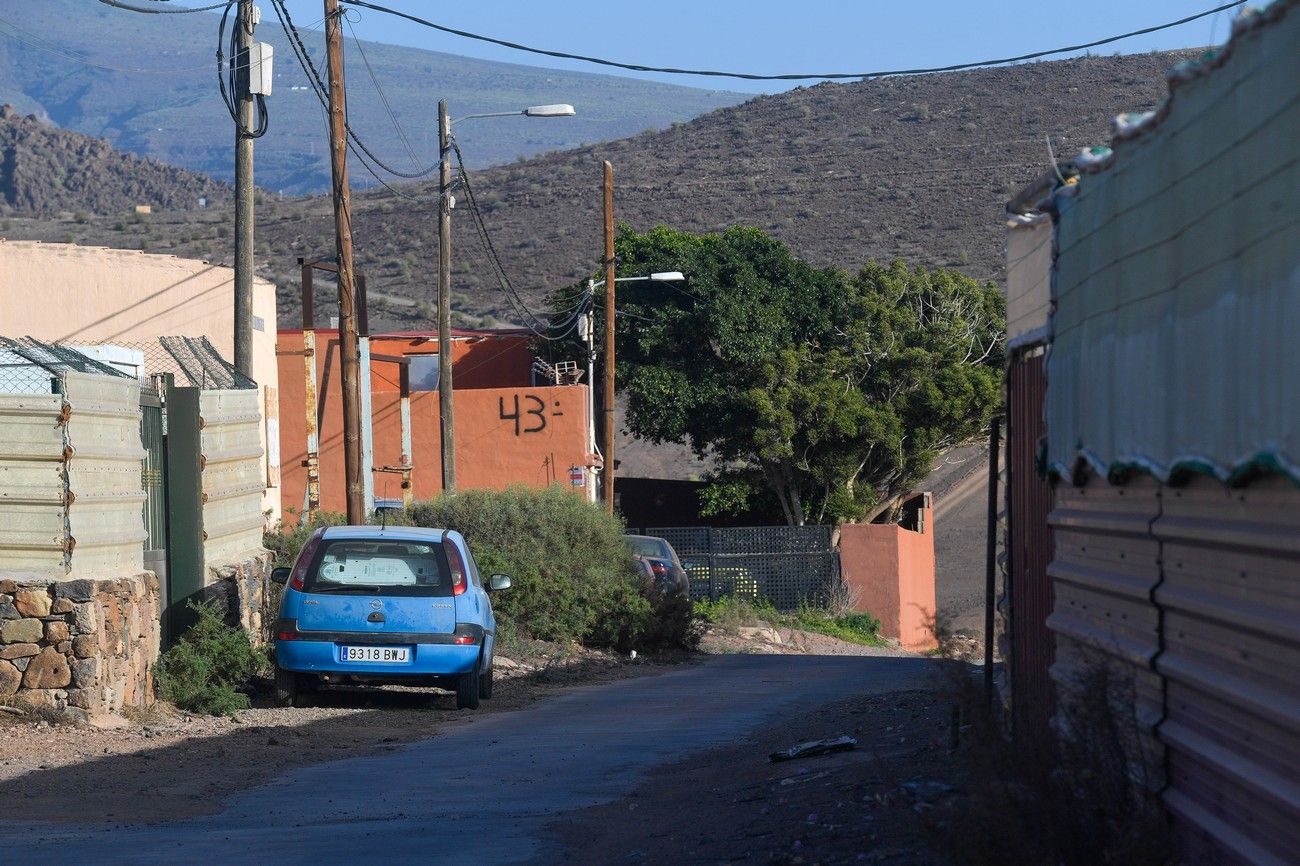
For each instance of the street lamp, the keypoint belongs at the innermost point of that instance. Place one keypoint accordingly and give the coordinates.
(447, 425)
(587, 332)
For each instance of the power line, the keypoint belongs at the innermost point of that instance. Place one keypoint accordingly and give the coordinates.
(314, 78)
(789, 76)
(383, 98)
(175, 10)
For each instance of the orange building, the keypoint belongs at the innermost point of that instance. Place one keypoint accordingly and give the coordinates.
(507, 430)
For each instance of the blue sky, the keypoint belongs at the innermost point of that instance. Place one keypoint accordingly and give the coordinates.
(776, 36)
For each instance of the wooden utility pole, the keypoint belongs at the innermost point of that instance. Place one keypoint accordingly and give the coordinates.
(446, 408)
(609, 338)
(348, 344)
(243, 193)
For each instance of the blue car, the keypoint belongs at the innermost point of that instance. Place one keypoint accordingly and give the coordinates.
(391, 605)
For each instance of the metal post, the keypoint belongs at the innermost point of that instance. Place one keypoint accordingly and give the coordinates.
(352, 466)
(367, 411)
(244, 196)
(445, 405)
(590, 316)
(609, 338)
(990, 559)
(311, 497)
(404, 380)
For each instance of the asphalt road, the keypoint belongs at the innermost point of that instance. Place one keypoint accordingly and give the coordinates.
(483, 792)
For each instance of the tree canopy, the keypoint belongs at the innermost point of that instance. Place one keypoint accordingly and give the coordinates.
(833, 392)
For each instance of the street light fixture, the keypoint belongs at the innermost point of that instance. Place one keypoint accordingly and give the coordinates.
(447, 426)
(587, 332)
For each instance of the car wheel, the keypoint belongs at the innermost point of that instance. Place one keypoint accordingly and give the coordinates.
(286, 687)
(485, 684)
(467, 690)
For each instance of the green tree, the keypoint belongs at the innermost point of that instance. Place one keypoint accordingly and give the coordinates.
(833, 392)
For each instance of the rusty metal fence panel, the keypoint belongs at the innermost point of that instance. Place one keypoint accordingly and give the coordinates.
(786, 565)
(1105, 567)
(1231, 605)
(1029, 545)
(233, 474)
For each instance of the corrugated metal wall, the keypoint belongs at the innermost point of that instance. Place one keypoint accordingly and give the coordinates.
(1231, 660)
(1105, 567)
(32, 491)
(1190, 594)
(1029, 541)
(70, 479)
(233, 474)
(106, 511)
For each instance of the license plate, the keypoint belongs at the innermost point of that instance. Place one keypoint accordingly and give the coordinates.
(393, 654)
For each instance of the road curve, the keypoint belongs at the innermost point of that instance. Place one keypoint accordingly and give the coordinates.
(485, 790)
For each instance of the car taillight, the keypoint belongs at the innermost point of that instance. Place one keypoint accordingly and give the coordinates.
(297, 580)
(659, 569)
(463, 639)
(456, 565)
(286, 631)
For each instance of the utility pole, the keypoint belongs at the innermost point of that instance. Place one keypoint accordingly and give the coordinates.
(609, 338)
(244, 194)
(445, 405)
(348, 344)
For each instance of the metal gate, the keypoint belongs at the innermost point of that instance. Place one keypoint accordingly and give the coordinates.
(788, 566)
(1029, 545)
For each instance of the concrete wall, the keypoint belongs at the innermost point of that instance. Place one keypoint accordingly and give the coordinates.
(493, 448)
(232, 475)
(81, 295)
(889, 573)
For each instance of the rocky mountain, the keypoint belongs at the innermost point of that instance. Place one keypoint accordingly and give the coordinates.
(45, 170)
(917, 167)
(148, 84)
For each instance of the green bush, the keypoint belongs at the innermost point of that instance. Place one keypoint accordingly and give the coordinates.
(732, 612)
(574, 577)
(207, 667)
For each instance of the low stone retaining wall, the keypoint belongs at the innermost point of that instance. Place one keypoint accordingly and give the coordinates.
(241, 588)
(80, 647)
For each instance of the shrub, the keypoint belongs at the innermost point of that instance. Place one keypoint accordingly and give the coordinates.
(574, 577)
(207, 667)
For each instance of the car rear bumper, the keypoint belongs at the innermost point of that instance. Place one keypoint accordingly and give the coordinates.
(426, 659)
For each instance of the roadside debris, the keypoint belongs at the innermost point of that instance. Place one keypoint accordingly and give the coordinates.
(842, 743)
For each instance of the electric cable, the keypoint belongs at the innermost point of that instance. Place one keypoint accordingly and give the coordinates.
(789, 76)
(176, 10)
(322, 91)
(227, 78)
(383, 98)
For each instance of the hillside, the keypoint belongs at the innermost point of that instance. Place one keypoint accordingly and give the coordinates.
(147, 83)
(45, 170)
(918, 167)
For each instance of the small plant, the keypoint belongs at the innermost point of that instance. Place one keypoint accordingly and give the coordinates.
(733, 612)
(206, 669)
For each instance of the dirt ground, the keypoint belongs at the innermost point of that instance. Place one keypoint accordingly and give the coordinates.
(162, 764)
(887, 801)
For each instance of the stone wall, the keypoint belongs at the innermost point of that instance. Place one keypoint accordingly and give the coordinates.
(79, 647)
(240, 587)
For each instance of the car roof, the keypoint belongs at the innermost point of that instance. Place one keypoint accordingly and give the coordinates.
(650, 537)
(388, 533)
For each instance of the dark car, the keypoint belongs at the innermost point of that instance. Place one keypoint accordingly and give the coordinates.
(665, 566)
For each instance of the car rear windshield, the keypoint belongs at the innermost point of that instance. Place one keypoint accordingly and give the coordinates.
(652, 547)
(365, 567)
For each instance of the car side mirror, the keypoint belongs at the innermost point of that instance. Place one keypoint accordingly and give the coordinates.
(500, 581)
(281, 574)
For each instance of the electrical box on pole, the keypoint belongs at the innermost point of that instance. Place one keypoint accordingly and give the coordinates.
(255, 69)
